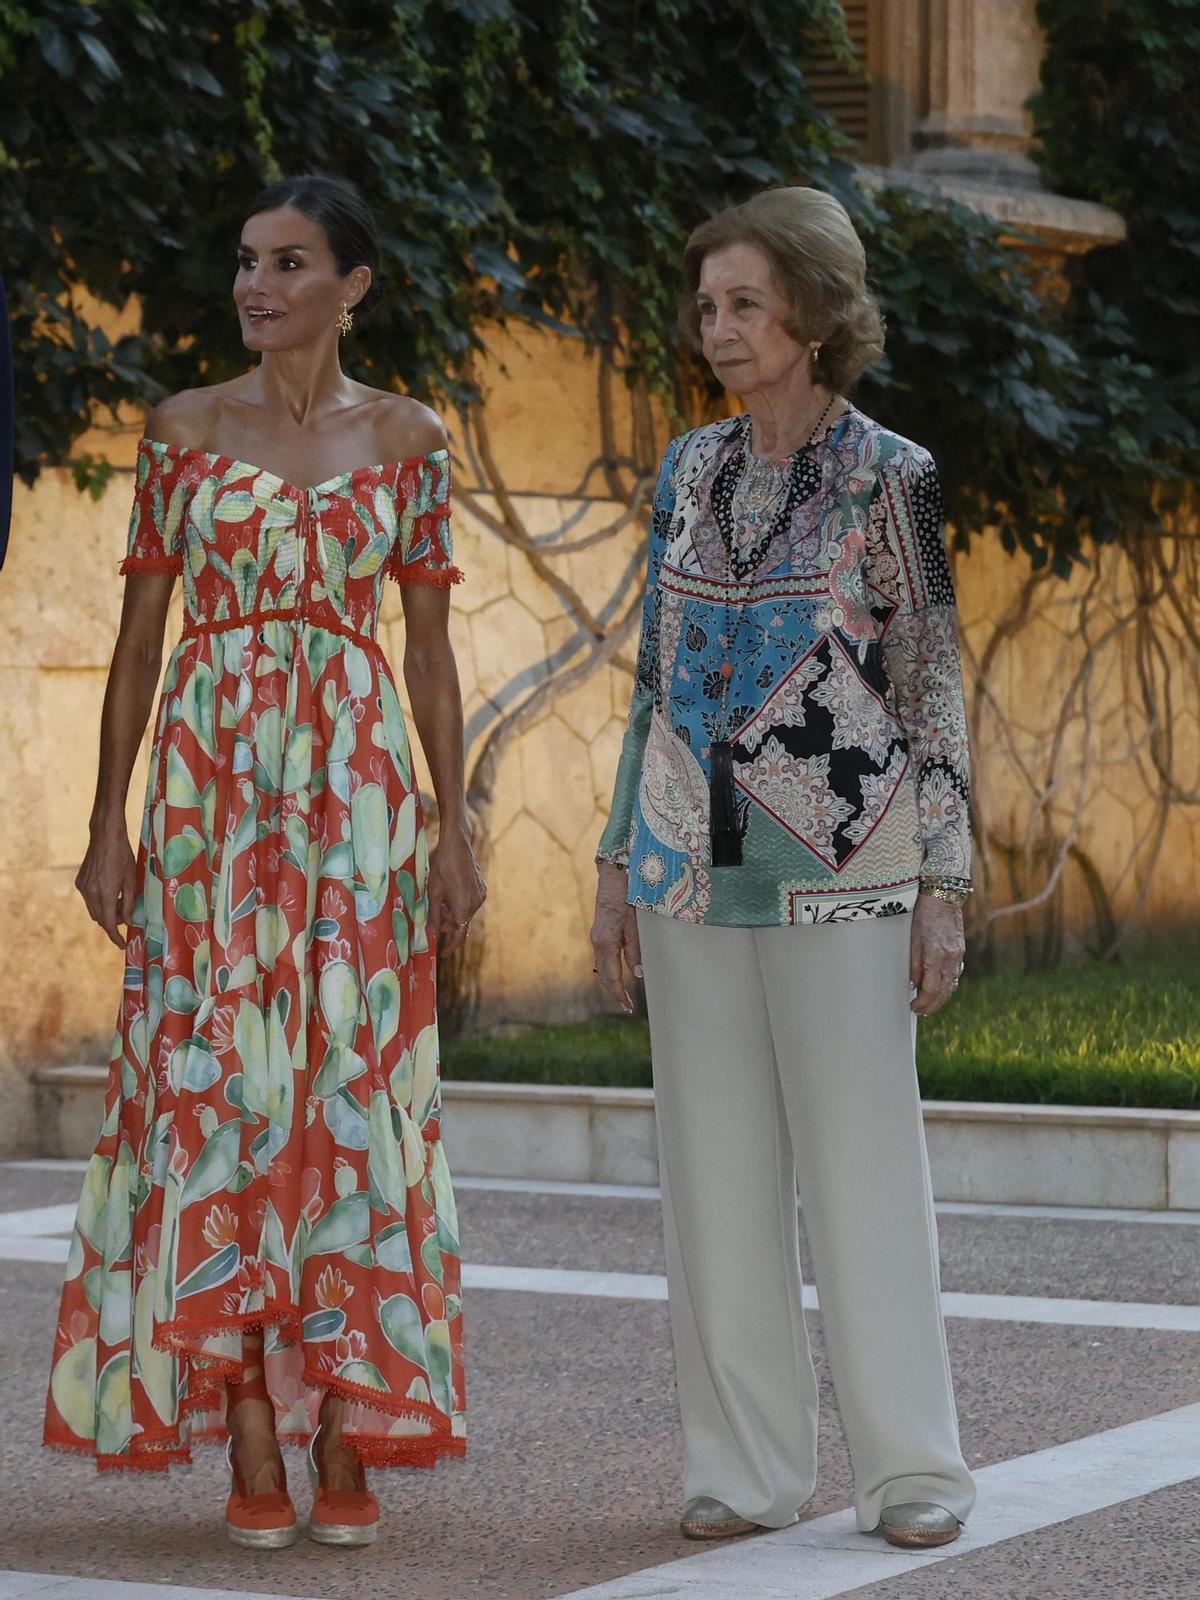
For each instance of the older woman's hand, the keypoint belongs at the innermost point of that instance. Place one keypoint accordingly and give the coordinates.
(936, 952)
(614, 934)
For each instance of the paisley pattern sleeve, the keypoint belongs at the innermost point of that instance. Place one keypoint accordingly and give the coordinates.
(158, 505)
(909, 571)
(614, 842)
(423, 552)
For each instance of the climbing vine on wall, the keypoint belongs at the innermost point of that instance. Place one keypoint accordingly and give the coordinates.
(1118, 732)
(541, 164)
(1118, 118)
(537, 163)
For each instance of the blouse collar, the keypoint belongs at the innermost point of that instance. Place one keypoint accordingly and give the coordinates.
(824, 430)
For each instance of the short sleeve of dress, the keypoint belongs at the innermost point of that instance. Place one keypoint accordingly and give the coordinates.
(423, 552)
(157, 519)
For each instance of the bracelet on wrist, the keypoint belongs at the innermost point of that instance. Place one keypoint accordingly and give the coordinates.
(954, 891)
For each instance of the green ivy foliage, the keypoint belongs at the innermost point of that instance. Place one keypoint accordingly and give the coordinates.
(543, 162)
(1118, 115)
(537, 161)
(978, 371)
(1065, 426)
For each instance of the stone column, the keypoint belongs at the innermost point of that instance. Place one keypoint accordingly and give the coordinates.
(982, 64)
(966, 69)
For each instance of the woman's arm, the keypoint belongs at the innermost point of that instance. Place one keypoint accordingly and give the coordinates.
(456, 888)
(921, 657)
(106, 878)
(614, 932)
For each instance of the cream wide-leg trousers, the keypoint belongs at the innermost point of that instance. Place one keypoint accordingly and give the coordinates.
(783, 1053)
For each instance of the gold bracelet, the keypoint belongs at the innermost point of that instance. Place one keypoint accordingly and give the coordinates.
(953, 893)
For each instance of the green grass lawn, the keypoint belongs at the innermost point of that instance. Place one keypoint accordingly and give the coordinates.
(1123, 1035)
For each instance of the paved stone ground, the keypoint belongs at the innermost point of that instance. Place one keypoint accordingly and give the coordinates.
(572, 1477)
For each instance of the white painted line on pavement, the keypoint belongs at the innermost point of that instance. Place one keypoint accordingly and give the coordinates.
(959, 1208)
(647, 1191)
(948, 1208)
(42, 1219)
(18, 1585)
(972, 1307)
(44, 1164)
(559, 1280)
(589, 1191)
(24, 1248)
(827, 1557)
(653, 1286)
(1072, 1313)
(57, 1586)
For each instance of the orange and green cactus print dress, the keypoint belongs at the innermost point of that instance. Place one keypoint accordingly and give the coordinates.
(270, 1156)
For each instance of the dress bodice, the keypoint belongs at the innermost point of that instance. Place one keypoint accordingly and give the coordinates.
(251, 546)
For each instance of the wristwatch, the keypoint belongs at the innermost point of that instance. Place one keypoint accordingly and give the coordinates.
(953, 890)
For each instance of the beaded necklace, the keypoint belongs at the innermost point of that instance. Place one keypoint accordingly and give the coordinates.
(755, 506)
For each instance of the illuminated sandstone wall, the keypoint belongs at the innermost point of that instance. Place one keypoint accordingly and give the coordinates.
(60, 599)
(59, 606)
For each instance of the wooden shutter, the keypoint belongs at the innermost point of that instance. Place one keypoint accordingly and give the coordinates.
(843, 95)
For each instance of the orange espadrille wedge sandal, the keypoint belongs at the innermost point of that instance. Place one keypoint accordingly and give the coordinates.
(259, 1521)
(340, 1516)
(265, 1520)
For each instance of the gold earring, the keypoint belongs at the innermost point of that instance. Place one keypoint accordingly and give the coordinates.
(345, 319)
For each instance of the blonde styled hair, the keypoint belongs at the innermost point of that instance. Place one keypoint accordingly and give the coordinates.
(820, 265)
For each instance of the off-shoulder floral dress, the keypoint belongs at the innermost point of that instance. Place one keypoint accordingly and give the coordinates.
(270, 1155)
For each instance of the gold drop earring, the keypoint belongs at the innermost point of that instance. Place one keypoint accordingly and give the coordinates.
(345, 319)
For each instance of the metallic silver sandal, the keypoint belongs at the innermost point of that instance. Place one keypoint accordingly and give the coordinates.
(918, 1525)
(706, 1518)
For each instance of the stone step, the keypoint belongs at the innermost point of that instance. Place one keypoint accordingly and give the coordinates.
(1108, 1156)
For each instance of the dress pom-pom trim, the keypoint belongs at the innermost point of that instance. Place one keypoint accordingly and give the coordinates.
(157, 1449)
(432, 577)
(434, 564)
(133, 564)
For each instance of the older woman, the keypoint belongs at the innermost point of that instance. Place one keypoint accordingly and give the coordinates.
(788, 854)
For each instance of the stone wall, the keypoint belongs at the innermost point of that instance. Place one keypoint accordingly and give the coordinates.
(60, 602)
(1084, 700)
(59, 607)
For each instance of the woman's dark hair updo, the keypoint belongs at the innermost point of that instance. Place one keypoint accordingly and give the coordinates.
(340, 210)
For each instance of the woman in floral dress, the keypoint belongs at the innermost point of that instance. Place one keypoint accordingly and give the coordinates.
(266, 1244)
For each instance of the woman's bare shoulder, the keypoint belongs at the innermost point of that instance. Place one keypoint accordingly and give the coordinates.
(405, 427)
(188, 418)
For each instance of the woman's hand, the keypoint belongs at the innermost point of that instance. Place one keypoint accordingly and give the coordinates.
(614, 934)
(107, 880)
(455, 888)
(936, 952)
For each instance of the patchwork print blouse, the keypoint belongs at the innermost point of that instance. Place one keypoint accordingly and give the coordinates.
(844, 705)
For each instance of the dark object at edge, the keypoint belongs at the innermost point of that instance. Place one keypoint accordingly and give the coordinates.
(723, 824)
(7, 412)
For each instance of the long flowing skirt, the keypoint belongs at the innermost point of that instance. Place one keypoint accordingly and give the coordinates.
(270, 1154)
